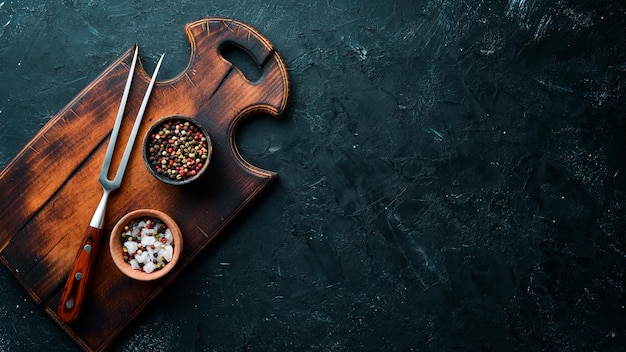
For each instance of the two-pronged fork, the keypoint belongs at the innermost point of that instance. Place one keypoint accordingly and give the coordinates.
(78, 280)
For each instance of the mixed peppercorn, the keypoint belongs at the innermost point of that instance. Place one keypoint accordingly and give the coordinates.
(177, 149)
(147, 244)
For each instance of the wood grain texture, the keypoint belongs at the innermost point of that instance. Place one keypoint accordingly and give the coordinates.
(44, 212)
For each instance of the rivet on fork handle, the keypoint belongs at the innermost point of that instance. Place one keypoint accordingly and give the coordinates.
(75, 288)
(76, 285)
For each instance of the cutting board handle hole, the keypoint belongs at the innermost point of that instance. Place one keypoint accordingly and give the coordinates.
(242, 60)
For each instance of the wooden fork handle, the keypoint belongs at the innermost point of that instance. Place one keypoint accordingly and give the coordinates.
(77, 282)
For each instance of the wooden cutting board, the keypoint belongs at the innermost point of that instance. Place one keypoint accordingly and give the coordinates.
(50, 189)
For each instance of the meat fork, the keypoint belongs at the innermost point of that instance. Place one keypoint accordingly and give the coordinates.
(77, 281)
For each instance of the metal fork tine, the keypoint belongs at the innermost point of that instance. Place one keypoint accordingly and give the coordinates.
(97, 220)
(131, 139)
(104, 178)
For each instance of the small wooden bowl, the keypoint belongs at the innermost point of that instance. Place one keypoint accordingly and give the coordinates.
(115, 246)
(151, 158)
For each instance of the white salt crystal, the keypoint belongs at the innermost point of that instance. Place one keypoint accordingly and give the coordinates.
(168, 236)
(131, 246)
(134, 264)
(166, 253)
(141, 258)
(149, 267)
(147, 240)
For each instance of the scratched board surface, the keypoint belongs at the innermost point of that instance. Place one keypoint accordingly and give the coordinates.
(451, 174)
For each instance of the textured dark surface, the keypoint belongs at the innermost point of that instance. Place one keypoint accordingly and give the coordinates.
(451, 174)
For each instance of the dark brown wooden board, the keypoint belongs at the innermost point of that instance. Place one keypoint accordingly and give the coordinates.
(50, 189)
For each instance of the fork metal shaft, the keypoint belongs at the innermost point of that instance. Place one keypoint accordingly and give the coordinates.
(97, 220)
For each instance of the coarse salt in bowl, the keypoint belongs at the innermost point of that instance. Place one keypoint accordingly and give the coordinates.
(145, 244)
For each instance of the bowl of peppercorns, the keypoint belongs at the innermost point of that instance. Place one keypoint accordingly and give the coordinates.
(177, 150)
(145, 244)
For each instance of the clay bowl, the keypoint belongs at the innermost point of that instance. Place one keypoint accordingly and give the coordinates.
(167, 159)
(117, 253)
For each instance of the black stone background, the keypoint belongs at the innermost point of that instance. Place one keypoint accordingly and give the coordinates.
(452, 174)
